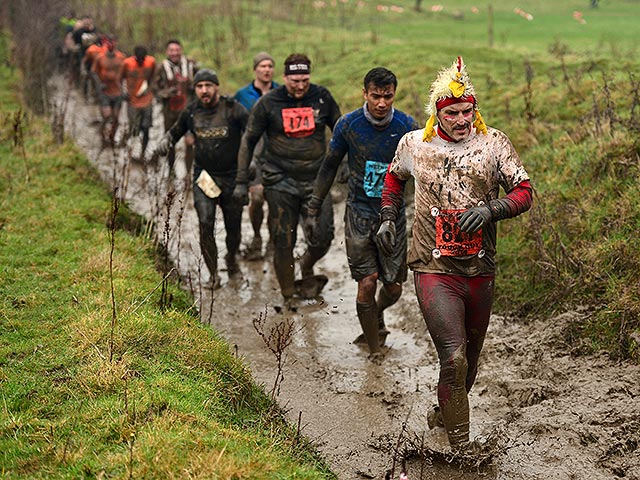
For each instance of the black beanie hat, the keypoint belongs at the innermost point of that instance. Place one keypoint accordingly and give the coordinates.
(206, 75)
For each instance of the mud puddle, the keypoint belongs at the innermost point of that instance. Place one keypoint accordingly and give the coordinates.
(537, 411)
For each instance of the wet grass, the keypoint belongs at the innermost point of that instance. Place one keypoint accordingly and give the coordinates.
(157, 396)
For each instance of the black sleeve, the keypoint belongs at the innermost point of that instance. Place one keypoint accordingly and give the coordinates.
(326, 176)
(334, 111)
(256, 126)
(181, 126)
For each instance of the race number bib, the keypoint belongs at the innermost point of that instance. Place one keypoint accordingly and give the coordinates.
(450, 240)
(373, 181)
(298, 122)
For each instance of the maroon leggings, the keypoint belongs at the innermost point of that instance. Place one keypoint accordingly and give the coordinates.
(456, 310)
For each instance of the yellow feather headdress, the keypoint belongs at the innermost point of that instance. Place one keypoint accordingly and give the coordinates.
(452, 82)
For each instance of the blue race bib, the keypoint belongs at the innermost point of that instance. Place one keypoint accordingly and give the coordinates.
(373, 181)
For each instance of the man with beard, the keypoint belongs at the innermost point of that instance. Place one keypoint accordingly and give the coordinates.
(174, 88)
(459, 165)
(108, 84)
(369, 135)
(248, 95)
(293, 117)
(217, 123)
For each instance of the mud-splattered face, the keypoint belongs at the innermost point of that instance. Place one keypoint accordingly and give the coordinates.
(379, 99)
(297, 85)
(456, 120)
(207, 92)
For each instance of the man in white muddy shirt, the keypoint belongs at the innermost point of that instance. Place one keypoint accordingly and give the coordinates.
(459, 165)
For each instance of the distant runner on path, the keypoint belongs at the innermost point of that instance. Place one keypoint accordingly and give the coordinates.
(217, 123)
(459, 165)
(294, 118)
(106, 70)
(174, 88)
(137, 73)
(369, 135)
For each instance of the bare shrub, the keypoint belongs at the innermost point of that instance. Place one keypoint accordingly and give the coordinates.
(277, 339)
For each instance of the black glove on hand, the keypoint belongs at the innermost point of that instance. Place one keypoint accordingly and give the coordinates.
(473, 219)
(310, 228)
(386, 237)
(241, 194)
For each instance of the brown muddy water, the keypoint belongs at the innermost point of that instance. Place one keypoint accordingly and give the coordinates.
(537, 411)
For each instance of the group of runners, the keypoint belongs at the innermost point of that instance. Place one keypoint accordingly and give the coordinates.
(268, 143)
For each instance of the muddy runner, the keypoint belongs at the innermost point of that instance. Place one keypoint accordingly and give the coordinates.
(538, 411)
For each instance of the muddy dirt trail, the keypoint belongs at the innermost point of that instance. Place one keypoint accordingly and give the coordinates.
(537, 411)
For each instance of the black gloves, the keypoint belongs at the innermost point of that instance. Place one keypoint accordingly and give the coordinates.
(475, 218)
(386, 237)
(386, 234)
(310, 220)
(241, 193)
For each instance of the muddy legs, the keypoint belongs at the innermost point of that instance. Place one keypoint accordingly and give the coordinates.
(368, 317)
(453, 399)
(283, 264)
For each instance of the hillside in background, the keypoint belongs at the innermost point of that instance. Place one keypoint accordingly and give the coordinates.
(561, 79)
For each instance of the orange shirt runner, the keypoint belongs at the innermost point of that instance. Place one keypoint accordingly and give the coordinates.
(107, 67)
(93, 52)
(138, 80)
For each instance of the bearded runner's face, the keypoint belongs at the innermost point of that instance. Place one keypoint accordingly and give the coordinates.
(456, 120)
(207, 93)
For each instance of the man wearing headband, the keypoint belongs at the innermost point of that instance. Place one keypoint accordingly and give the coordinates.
(459, 165)
(248, 95)
(216, 122)
(369, 136)
(293, 117)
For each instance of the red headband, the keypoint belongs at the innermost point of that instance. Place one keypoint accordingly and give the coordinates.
(445, 102)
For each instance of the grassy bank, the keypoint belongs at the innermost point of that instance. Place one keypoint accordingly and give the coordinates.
(95, 379)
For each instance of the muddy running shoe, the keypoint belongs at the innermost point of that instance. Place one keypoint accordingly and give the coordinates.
(254, 252)
(310, 287)
(376, 358)
(215, 284)
(382, 338)
(383, 333)
(434, 418)
(268, 252)
(232, 265)
(288, 306)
